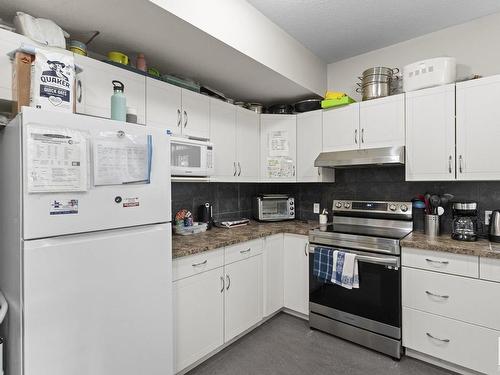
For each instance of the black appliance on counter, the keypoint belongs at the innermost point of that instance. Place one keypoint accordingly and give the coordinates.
(371, 315)
(205, 214)
(464, 225)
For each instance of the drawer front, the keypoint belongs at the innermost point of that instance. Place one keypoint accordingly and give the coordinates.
(198, 263)
(456, 264)
(489, 269)
(460, 343)
(470, 300)
(243, 250)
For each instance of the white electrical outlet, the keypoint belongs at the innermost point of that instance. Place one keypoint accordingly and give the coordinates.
(316, 208)
(487, 216)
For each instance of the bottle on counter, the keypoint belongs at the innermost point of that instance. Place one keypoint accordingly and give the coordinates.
(118, 102)
(140, 62)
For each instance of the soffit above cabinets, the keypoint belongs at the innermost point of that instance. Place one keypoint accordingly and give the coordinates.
(169, 43)
(335, 30)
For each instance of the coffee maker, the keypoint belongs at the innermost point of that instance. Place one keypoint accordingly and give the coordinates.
(464, 226)
(495, 226)
(205, 214)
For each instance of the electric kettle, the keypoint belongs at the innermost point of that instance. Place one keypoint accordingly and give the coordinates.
(495, 226)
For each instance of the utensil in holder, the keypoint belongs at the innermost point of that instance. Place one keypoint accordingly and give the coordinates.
(431, 225)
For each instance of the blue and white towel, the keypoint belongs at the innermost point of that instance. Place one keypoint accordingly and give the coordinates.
(345, 271)
(323, 264)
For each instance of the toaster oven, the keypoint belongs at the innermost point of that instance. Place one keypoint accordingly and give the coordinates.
(273, 207)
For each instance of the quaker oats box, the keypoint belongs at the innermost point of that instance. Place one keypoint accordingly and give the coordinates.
(52, 81)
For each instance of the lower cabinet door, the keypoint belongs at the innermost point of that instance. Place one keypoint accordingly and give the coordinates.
(296, 261)
(198, 316)
(273, 274)
(243, 307)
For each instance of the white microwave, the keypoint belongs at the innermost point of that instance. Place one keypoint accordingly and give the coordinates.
(189, 157)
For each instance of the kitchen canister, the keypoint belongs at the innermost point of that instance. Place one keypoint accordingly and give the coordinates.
(132, 115)
(431, 225)
(118, 102)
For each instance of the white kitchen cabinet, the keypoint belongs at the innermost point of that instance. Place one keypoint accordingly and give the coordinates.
(309, 146)
(94, 88)
(243, 296)
(278, 140)
(296, 271)
(198, 316)
(489, 269)
(382, 122)
(341, 128)
(9, 42)
(274, 276)
(223, 136)
(163, 105)
(478, 129)
(247, 145)
(430, 134)
(195, 115)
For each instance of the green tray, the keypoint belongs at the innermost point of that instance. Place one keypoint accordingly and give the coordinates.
(328, 103)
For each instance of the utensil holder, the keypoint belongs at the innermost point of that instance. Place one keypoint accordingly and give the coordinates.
(431, 225)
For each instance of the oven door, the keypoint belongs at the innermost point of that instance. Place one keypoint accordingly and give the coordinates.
(375, 306)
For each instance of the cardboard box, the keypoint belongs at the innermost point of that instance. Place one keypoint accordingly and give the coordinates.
(21, 81)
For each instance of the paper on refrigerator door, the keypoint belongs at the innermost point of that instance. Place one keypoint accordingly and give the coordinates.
(57, 159)
(121, 159)
(278, 143)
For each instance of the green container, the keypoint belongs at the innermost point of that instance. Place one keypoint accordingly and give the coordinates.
(329, 103)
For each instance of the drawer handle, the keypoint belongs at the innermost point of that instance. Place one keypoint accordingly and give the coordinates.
(200, 264)
(436, 295)
(245, 251)
(437, 261)
(437, 338)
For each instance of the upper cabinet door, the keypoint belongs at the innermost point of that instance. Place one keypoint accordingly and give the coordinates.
(195, 115)
(247, 145)
(9, 41)
(341, 128)
(278, 140)
(478, 129)
(382, 122)
(223, 136)
(430, 134)
(163, 105)
(94, 88)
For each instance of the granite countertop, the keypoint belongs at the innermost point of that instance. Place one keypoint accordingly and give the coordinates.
(481, 248)
(220, 237)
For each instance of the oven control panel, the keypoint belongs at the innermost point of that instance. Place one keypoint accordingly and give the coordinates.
(382, 207)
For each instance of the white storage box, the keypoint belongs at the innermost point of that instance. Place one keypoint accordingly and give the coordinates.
(428, 73)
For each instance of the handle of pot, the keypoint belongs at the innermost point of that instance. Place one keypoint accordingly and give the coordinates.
(359, 84)
(359, 89)
(3, 307)
(395, 70)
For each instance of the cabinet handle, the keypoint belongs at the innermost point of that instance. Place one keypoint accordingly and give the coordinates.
(436, 338)
(436, 295)
(363, 135)
(460, 163)
(222, 284)
(356, 136)
(294, 170)
(245, 251)
(239, 169)
(234, 168)
(319, 171)
(200, 264)
(449, 164)
(185, 118)
(437, 261)
(178, 117)
(228, 282)
(306, 247)
(80, 90)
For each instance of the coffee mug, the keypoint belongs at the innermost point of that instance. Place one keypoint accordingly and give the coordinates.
(118, 57)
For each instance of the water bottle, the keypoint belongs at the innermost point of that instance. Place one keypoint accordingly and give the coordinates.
(118, 102)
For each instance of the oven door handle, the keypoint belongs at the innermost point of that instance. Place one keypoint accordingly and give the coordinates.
(362, 257)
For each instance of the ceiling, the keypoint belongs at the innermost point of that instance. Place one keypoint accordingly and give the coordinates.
(338, 29)
(169, 43)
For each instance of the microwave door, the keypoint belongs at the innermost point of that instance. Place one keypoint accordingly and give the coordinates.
(186, 159)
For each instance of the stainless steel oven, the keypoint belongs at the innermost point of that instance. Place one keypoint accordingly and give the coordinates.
(370, 315)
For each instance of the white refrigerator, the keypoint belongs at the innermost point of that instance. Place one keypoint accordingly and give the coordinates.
(85, 246)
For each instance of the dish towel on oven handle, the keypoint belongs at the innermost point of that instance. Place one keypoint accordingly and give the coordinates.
(345, 269)
(323, 264)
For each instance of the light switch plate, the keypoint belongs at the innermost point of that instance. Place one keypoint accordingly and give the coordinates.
(316, 208)
(487, 216)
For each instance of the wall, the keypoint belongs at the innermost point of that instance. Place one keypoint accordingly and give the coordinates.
(241, 26)
(234, 200)
(474, 44)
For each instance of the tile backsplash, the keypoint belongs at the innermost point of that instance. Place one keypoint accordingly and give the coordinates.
(234, 200)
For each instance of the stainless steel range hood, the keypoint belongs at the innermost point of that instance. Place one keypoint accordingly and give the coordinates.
(359, 158)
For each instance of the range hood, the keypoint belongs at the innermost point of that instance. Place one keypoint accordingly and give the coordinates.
(360, 158)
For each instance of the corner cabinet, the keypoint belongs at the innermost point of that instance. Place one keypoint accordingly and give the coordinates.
(278, 140)
(309, 145)
(430, 134)
(247, 145)
(296, 272)
(274, 276)
(478, 129)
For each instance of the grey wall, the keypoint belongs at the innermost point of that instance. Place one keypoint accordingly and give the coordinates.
(375, 183)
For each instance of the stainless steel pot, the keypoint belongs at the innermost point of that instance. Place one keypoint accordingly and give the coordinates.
(380, 70)
(375, 90)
